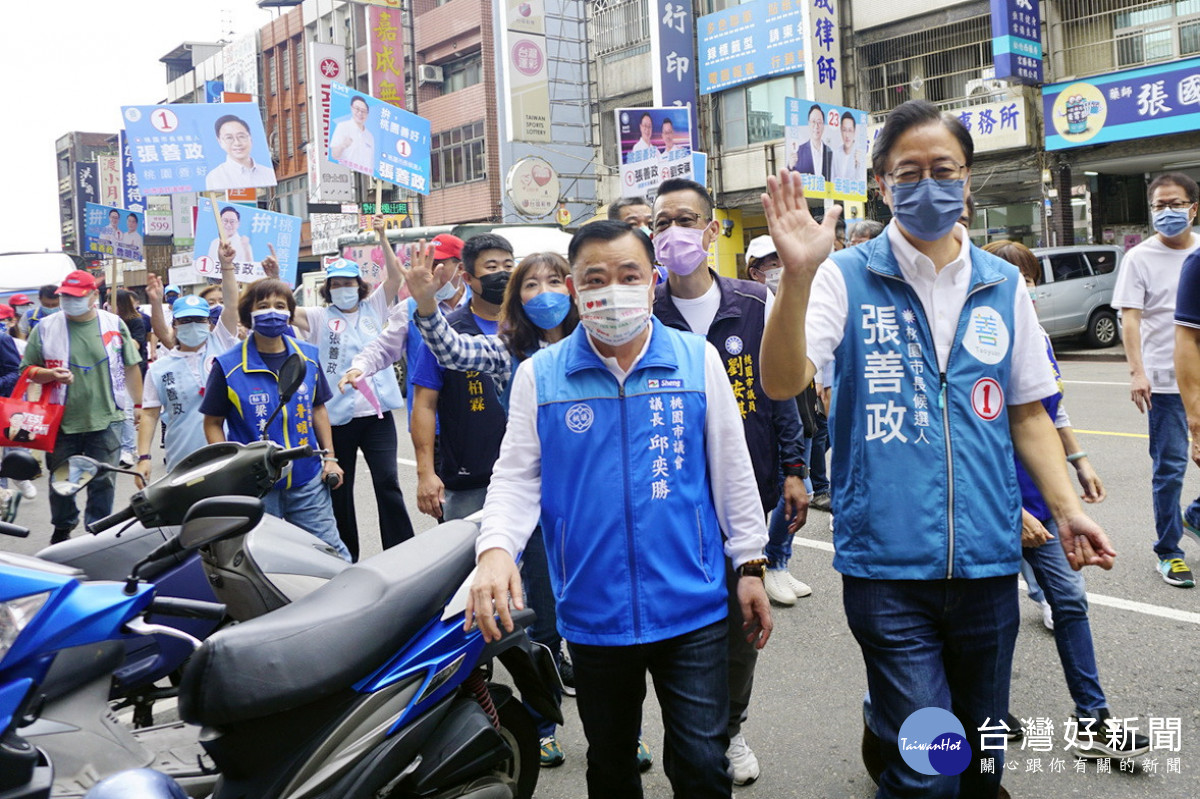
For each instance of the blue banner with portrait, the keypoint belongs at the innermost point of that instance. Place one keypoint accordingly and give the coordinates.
(198, 147)
(253, 232)
(132, 194)
(376, 138)
(655, 146)
(1017, 40)
(749, 42)
(113, 232)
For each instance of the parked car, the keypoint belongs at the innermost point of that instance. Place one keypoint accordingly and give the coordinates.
(1076, 288)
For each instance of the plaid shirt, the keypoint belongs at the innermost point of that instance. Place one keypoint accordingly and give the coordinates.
(462, 353)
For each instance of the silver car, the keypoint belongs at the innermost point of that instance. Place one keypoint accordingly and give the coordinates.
(1076, 289)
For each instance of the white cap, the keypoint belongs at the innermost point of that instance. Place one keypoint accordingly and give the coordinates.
(760, 247)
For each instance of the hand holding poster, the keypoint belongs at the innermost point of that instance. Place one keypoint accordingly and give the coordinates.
(113, 231)
(198, 147)
(253, 232)
(828, 145)
(656, 145)
(378, 139)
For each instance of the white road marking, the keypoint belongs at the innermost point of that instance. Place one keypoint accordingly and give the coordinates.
(1095, 383)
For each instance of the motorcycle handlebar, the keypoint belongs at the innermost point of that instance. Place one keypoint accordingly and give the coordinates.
(282, 456)
(187, 608)
(111, 521)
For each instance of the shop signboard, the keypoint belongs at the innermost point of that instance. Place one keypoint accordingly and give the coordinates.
(997, 126)
(1017, 40)
(749, 42)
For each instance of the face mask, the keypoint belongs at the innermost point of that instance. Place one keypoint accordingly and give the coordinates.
(680, 249)
(75, 306)
(492, 286)
(269, 322)
(928, 209)
(1170, 222)
(772, 277)
(548, 309)
(446, 292)
(192, 334)
(614, 315)
(345, 298)
(649, 233)
(48, 311)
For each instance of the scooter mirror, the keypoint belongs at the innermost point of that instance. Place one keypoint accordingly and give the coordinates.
(291, 377)
(217, 518)
(73, 474)
(19, 465)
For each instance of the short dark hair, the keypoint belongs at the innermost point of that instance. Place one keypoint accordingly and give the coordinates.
(645, 115)
(477, 244)
(358, 98)
(616, 206)
(1019, 256)
(969, 210)
(112, 211)
(818, 109)
(668, 121)
(607, 230)
(221, 120)
(231, 208)
(916, 114)
(683, 184)
(260, 290)
(1177, 179)
(48, 292)
(850, 117)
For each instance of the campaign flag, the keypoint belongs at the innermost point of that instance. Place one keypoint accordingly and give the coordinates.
(655, 146)
(250, 230)
(113, 231)
(827, 144)
(378, 139)
(180, 148)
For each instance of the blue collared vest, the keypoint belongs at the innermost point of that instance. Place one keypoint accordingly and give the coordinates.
(471, 420)
(632, 537)
(922, 465)
(345, 335)
(254, 394)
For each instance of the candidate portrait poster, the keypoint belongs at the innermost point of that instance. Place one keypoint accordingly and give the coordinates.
(378, 139)
(252, 232)
(114, 232)
(186, 147)
(656, 145)
(827, 144)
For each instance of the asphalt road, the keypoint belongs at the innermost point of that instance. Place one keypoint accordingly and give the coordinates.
(805, 720)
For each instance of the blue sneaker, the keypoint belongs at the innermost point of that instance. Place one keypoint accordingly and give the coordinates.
(644, 758)
(551, 753)
(1175, 572)
(1191, 529)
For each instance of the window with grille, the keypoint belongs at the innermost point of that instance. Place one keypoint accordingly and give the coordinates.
(458, 156)
(621, 27)
(1097, 36)
(461, 73)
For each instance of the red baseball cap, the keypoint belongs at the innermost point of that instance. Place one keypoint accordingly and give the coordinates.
(77, 284)
(19, 299)
(6, 312)
(447, 246)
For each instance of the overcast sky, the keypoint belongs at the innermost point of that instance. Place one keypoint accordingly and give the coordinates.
(70, 65)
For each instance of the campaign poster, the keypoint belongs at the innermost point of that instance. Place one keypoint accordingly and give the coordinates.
(114, 232)
(369, 258)
(376, 138)
(827, 145)
(198, 147)
(655, 145)
(252, 232)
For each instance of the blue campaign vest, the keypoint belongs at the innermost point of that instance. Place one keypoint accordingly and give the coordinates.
(181, 395)
(923, 465)
(1031, 498)
(346, 335)
(254, 394)
(632, 537)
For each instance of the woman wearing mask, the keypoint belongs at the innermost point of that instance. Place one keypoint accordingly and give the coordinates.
(250, 372)
(355, 317)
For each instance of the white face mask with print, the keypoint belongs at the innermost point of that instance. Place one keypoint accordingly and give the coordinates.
(614, 315)
(75, 306)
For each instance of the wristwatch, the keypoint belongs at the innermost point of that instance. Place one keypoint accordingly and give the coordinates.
(753, 568)
(795, 470)
(145, 457)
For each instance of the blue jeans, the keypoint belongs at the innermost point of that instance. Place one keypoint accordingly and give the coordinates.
(814, 455)
(309, 508)
(102, 445)
(128, 430)
(461, 503)
(1065, 591)
(1169, 455)
(539, 597)
(779, 540)
(691, 681)
(935, 643)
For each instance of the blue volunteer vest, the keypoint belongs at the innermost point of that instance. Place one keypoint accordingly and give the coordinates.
(181, 395)
(923, 462)
(254, 394)
(344, 336)
(632, 537)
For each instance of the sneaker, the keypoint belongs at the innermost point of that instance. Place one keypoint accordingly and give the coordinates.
(1108, 738)
(1047, 615)
(743, 765)
(59, 535)
(1175, 572)
(1015, 731)
(566, 674)
(1191, 529)
(821, 501)
(800, 589)
(128, 459)
(552, 754)
(779, 590)
(645, 759)
(28, 489)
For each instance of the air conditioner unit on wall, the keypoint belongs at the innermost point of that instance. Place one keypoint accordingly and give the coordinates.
(429, 73)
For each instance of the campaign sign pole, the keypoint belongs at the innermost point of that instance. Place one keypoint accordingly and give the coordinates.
(212, 196)
(378, 196)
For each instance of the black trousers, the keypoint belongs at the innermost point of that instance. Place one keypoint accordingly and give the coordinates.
(377, 440)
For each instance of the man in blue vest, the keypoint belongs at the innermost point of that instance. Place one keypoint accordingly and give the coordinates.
(615, 435)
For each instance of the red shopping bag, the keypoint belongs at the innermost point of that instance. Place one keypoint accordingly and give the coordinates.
(30, 424)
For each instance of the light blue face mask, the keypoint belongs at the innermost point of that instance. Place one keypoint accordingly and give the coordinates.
(75, 306)
(1171, 222)
(345, 298)
(548, 309)
(192, 334)
(446, 292)
(929, 208)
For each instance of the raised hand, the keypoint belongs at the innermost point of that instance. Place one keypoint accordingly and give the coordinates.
(801, 242)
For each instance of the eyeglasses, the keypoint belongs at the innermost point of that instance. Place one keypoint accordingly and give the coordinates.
(1174, 205)
(942, 170)
(683, 220)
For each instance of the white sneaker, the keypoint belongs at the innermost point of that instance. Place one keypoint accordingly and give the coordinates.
(799, 588)
(128, 458)
(743, 765)
(28, 489)
(1047, 615)
(779, 589)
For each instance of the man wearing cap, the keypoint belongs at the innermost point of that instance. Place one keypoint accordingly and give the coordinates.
(89, 359)
(353, 319)
(47, 305)
(21, 305)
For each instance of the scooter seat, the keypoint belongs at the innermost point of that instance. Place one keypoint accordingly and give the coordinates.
(330, 639)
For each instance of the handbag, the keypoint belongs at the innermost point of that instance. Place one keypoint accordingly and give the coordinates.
(29, 424)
